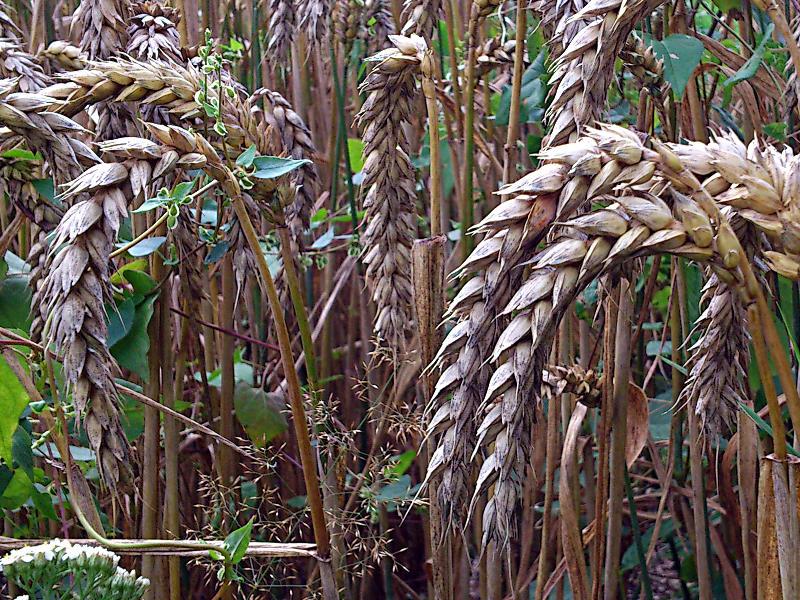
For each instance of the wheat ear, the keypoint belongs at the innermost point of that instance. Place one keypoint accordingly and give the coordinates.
(390, 183)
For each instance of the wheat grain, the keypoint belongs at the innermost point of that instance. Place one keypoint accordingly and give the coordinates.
(63, 56)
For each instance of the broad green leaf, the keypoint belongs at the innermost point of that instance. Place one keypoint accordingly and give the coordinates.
(17, 491)
(401, 464)
(13, 400)
(751, 66)
(324, 240)
(150, 204)
(355, 150)
(131, 351)
(43, 502)
(237, 542)
(728, 5)
(182, 190)
(146, 246)
(260, 414)
(118, 278)
(777, 130)
(245, 159)
(120, 320)
(141, 282)
(270, 167)
(217, 252)
(630, 560)
(21, 451)
(15, 302)
(46, 189)
(681, 55)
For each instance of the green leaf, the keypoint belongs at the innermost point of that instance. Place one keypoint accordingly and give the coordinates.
(131, 351)
(401, 464)
(260, 414)
(150, 204)
(141, 282)
(182, 190)
(120, 320)
(17, 492)
(237, 542)
(751, 66)
(19, 153)
(13, 400)
(15, 302)
(43, 503)
(776, 130)
(681, 55)
(728, 5)
(46, 188)
(270, 167)
(217, 252)
(245, 159)
(21, 451)
(324, 240)
(355, 150)
(146, 246)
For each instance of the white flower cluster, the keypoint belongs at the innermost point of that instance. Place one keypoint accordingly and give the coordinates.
(60, 563)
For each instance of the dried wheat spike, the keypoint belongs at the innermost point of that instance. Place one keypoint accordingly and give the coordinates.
(420, 17)
(8, 27)
(494, 53)
(30, 116)
(390, 182)
(294, 140)
(153, 33)
(347, 18)
(281, 31)
(63, 56)
(714, 388)
(100, 28)
(789, 104)
(587, 39)
(314, 15)
(15, 62)
(382, 28)
(614, 168)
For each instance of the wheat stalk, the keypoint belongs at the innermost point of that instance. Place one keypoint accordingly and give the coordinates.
(390, 183)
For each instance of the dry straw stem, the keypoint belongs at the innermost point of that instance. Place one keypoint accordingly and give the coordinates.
(390, 182)
(280, 31)
(637, 222)
(77, 286)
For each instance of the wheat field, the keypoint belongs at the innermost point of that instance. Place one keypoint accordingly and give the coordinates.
(399, 299)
